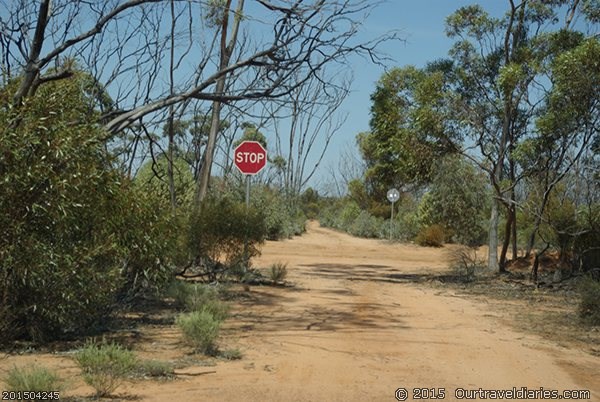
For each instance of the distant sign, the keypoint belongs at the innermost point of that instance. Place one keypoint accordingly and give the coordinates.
(393, 195)
(250, 157)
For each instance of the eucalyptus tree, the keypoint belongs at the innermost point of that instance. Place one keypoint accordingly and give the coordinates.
(507, 83)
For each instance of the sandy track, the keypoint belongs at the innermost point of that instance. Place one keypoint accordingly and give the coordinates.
(356, 328)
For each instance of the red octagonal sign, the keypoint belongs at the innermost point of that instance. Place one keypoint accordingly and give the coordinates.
(250, 157)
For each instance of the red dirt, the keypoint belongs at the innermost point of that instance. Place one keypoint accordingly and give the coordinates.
(354, 328)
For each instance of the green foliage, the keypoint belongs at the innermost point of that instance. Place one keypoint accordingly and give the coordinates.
(200, 329)
(59, 251)
(152, 178)
(310, 203)
(198, 297)
(431, 236)
(560, 224)
(231, 354)
(251, 133)
(155, 368)
(408, 129)
(152, 239)
(278, 272)
(589, 305)
(367, 225)
(220, 228)
(585, 245)
(191, 296)
(105, 366)
(282, 219)
(68, 251)
(456, 201)
(347, 216)
(33, 378)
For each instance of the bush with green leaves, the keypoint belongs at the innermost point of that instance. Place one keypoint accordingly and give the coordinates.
(68, 251)
(283, 218)
(456, 201)
(33, 378)
(198, 297)
(278, 272)
(225, 230)
(431, 236)
(200, 329)
(59, 253)
(155, 368)
(367, 225)
(152, 178)
(104, 366)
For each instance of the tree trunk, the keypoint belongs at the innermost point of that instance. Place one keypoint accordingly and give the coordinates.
(515, 250)
(209, 151)
(226, 51)
(170, 156)
(171, 128)
(507, 236)
(493, 238)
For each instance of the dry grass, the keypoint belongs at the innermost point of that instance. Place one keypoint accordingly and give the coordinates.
(550, 311)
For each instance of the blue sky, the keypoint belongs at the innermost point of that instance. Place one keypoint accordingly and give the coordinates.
(421, 24)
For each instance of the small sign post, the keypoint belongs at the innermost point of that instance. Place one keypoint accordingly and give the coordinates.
(393, 195)
(250, 157)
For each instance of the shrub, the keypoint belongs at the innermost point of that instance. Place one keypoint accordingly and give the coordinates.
(231, 354)
(191, 296)
(278, 272)
(59, 253)
(225, 231)
(33, 378)
(457, 200)
(366, 225)
(155, 368)
(197, 297)
(589, 305)
(104, 366)
(68, 251)
(465, 262)
(200, 329)
(431, 236)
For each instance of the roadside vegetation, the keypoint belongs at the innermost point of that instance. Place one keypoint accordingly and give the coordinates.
(108, 199)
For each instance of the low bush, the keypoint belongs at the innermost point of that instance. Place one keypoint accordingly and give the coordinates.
(589, 305)
(431, 236)
(191, 296)
(198, 297)
(225, 231)
(367, 225)
(33, 378)
(465, 262)
(104, 366)
(231, 354)
(200, 329)
(155, 368)
(278, 272)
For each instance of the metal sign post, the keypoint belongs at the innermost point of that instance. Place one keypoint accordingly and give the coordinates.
(250, 157)
(393, 195)
(246, 259)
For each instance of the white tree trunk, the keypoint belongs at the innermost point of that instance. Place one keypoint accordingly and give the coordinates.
(493, 239)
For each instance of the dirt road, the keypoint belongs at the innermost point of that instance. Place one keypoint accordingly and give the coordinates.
(356, 328)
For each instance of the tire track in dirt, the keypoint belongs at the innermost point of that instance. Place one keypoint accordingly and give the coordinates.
(355, 328)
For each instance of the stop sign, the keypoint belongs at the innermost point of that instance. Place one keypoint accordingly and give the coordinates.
(250, 157)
